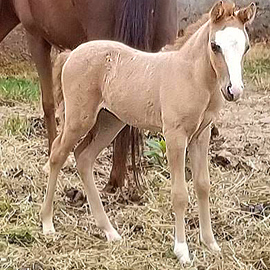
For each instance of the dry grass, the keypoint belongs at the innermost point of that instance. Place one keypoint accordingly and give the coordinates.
(257, 67)
(146, 227)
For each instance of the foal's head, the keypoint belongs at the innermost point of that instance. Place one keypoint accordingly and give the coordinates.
(228, 44)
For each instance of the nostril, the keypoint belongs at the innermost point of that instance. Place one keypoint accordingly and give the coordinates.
(229, 92)
(229, 89)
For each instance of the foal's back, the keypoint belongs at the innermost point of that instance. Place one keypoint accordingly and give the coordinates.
(114, 76)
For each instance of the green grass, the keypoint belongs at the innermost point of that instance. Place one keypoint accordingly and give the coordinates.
(257, 67)
(21, 236)
(22, 90)
(5, 207)
(17, 125)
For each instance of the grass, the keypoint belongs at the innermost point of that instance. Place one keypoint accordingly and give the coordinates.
(17, 125)
(20, 236)
(5, 207)
(257, 67)
(19, 89)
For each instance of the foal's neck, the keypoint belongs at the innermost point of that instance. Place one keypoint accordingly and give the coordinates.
(196, 51)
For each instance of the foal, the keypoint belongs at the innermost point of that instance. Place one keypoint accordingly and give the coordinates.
(107, 84)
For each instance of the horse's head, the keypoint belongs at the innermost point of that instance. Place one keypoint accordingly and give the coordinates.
(228, 43)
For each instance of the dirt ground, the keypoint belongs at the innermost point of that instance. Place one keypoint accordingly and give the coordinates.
(240, 203)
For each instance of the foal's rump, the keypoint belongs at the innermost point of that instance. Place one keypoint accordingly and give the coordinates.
(114, 76)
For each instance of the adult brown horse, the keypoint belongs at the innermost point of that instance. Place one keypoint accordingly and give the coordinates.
(146, 25)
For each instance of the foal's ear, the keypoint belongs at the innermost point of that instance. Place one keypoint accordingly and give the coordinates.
(247, 14)
(217, 12)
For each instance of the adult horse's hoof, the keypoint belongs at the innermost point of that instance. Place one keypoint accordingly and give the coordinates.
(182, 253)
(113, 235)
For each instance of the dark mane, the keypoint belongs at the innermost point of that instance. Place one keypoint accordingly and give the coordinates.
(135, 23)
(188, 32)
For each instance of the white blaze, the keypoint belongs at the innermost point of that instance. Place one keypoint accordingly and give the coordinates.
(232, 41)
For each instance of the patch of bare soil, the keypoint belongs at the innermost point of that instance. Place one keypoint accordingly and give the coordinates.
(240, 202)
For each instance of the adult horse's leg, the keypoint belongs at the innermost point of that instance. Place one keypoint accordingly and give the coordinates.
(198, 151)
(40, 50)
(176, 142)
(104, 131)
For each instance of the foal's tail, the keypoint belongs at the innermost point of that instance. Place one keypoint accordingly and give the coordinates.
(57, 85)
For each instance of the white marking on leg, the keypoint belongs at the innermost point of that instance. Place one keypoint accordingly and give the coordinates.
(214, 247)
(48, 228)
(181, 251)
(112, 235)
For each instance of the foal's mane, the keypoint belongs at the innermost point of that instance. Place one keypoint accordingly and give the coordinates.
(188, 32)
(135, 23)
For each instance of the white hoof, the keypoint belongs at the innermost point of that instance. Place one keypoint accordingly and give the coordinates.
(48, 228)
(113, 235)
(212, 247)
(182, 253)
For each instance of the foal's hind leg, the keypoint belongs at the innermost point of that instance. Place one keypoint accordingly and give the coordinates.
(74, 129)
(106, 128)
(61, 148)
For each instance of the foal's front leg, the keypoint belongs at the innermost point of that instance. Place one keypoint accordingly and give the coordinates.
(198, 151)
(176, 147)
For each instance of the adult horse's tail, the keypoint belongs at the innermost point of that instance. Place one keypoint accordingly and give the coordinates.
(135, 23)
(134, 27)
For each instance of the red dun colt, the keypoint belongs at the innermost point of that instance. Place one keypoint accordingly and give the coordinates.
(107, 84)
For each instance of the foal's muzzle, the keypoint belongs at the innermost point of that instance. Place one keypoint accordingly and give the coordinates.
(232, 93)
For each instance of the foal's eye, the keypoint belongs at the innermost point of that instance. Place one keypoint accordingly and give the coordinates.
(215, 48)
